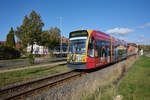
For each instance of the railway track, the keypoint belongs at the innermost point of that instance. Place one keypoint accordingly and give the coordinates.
(34, 87)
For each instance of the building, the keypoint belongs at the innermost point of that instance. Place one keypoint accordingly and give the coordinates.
(37, 49)
(4, 43)
(41, 50)
(65, 41)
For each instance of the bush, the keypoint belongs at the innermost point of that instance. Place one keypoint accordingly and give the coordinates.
(51, 53)
(8, 53)
(31, 58)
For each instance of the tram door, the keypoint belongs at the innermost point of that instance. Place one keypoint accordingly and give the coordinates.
(103, 55)
(100, 52)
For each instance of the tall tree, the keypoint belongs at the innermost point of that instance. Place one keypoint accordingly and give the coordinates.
(45, 38)
(21, 33)
(51, 38)
(29, 33)
(10, 41)
(54, 37)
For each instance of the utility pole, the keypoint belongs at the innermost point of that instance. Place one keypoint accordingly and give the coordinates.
(60, 23)
(82, 27)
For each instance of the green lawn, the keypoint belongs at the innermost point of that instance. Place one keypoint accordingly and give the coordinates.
(135, 85)
(17, 76)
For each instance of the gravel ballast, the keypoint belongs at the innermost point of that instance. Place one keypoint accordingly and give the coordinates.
(73, 90)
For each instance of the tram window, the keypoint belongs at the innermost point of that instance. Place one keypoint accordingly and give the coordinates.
(108, 48)
(103, 51)
(102, 48)
(113, 49)
(91, 47)
(99, 51)
(108, 51)
(98, 45)
(96, 48)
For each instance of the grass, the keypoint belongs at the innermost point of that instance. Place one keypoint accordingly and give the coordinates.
(135, 85)
(18, 76)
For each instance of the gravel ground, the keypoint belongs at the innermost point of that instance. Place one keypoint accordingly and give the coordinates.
(74, 89)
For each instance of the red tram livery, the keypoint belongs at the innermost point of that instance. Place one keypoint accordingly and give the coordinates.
(88, 49)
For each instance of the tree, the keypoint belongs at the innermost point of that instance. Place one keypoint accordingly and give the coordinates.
(54, 37)
(21, 33)
(10, 41)
(45, 38)
(29, 33)
(51, 38)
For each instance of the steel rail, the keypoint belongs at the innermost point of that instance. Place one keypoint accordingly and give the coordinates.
(21, 91)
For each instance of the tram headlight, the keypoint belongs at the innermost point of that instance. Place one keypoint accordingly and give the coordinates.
(83, 59)
(67, 58)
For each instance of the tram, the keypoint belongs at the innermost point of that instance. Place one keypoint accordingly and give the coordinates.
(88, 49)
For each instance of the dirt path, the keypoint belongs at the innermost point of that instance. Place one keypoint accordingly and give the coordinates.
(30, 67)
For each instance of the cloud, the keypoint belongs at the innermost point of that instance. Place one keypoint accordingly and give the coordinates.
(141, 27)
(139, 41)
(142, 41)
(148, 24)
(144, 26)
(141, 36)
(119, 31)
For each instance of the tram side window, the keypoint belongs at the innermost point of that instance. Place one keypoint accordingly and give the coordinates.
(91, 47)
(108, 48)
(113, 47)
(96, 48)
(103, 51)
(102, 48)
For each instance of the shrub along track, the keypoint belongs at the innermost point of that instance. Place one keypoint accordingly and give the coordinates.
(24, 90)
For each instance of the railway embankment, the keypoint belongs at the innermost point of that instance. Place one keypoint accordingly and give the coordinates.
(77, 88)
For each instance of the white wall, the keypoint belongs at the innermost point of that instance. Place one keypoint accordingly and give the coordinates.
(38, 49)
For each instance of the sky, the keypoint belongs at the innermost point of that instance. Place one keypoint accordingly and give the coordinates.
(124, 19)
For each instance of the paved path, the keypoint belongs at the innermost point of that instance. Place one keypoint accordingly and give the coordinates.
(30, 67)
(148, 55)
(37, 61)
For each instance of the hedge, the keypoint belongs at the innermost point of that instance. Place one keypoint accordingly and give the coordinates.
(8, 52)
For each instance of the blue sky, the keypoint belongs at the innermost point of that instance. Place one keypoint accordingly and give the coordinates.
(125, 19)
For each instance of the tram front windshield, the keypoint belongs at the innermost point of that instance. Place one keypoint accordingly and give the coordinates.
(77, 46)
